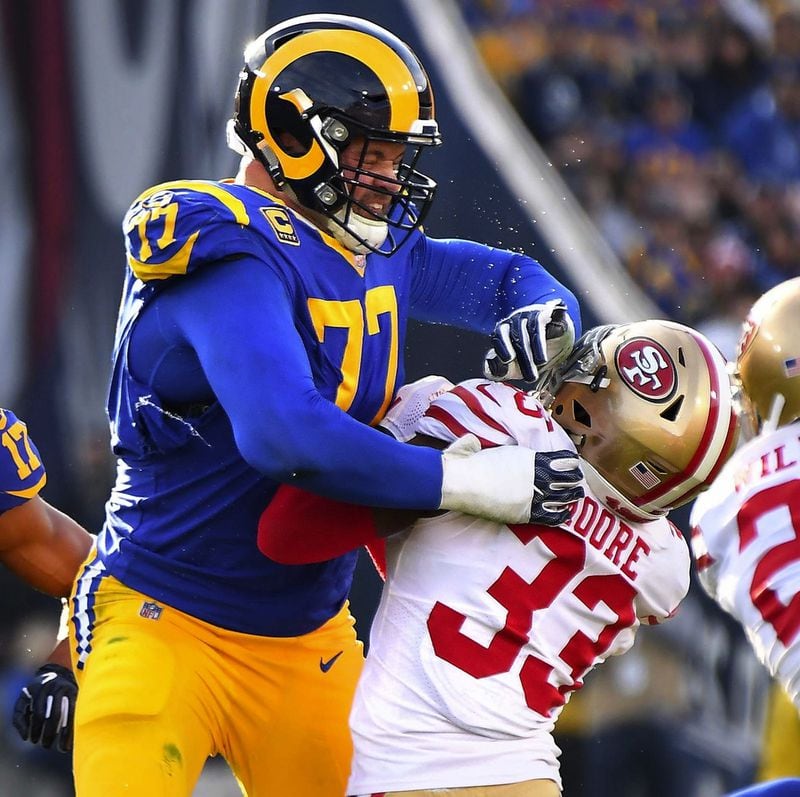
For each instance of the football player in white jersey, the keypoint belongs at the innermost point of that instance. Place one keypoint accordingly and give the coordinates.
(746, 528)
(484, 630)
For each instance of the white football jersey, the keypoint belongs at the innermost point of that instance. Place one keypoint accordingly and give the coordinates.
(484, 630)
(746, 542)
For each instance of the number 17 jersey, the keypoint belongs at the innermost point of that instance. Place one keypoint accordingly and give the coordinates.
(484, 630)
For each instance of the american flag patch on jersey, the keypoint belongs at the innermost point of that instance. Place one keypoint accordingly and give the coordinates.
(644, 475)
(791, 367)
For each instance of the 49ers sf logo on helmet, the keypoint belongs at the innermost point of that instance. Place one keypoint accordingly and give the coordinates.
(646, 368)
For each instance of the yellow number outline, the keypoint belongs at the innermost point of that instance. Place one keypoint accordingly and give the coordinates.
(355, 318)
(170, 214)
(14, 439)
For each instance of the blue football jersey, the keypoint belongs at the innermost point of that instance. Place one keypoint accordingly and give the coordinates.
(22, 473)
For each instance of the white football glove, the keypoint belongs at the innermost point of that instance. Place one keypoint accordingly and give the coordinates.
(410, 404)
(531, 338)
(510, 484)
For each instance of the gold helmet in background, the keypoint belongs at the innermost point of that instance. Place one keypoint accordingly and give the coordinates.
(768, 358)
(650, 408)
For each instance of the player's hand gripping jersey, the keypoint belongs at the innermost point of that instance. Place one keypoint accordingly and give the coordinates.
(21, 471)
(746, 541)
(483, 630)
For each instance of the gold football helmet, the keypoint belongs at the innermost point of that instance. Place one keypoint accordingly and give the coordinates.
(768, 359)
(649, 406)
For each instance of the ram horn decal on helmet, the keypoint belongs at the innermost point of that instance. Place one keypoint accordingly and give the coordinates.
(297, 122)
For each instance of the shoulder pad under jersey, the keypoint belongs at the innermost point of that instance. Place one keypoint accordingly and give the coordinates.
(22, 473)
(173, 228)
(496, 412)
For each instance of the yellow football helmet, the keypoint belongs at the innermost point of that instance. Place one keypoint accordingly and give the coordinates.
(649, 406)
(768, 359)
(312, 85)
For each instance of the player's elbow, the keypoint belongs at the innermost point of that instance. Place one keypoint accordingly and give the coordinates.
(282, 459)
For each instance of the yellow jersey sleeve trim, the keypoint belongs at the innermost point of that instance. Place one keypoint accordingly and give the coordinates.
(236, 206)
(177, 264)
(31, 491)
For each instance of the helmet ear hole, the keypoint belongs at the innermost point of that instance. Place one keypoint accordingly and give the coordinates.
(657, 468)
(671, 412)
(581, 415)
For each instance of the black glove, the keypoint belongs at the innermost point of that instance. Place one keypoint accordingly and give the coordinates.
(556, 484)
(45, 708)
(529, 339)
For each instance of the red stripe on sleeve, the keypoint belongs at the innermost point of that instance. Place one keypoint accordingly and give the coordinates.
(457, 429)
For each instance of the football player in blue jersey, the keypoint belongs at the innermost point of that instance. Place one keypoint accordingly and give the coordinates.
(45, 548)
(259, 340)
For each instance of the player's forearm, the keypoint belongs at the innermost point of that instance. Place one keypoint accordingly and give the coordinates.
(473, 286)
(60, 654)
(43, 546)
(352, 462)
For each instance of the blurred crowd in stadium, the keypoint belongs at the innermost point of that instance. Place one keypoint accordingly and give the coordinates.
(677, 126)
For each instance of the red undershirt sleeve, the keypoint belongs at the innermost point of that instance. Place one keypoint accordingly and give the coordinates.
(299, 527)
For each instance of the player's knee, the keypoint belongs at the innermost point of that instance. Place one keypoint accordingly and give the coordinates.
(102, 761)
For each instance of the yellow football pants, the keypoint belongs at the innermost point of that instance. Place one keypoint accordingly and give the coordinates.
(160, 691)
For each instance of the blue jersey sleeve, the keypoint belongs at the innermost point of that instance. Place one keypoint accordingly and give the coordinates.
(239, 321)
(471, 285)
(22, 473)
(174, 228)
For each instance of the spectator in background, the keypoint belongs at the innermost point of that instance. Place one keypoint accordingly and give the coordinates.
(786, 28)
(735, 66)
(666, 129)
(763, 132)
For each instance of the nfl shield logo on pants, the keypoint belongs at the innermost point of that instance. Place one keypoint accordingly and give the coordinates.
(150, 610)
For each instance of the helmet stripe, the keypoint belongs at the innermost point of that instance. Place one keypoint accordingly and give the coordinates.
(715, 441)
(389, 67)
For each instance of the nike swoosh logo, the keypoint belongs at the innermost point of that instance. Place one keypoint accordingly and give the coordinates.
(326, 665)
(47, 677)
